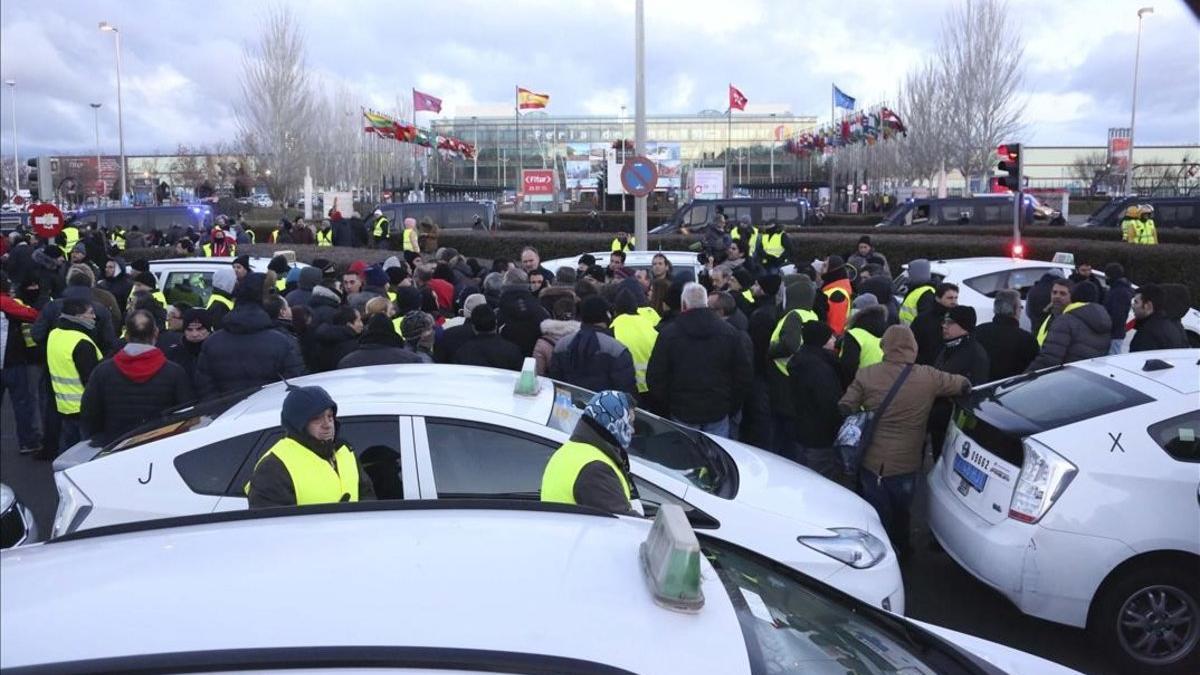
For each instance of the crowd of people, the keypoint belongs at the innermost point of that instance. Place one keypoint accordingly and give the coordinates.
(92, 349)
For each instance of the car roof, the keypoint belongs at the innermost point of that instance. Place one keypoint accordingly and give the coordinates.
(528, 579)
(985, 264)
(631, 258)
(257, 264)
(1182, 376)
(486, 389)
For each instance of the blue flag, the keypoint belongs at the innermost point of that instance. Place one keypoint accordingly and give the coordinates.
(841, 100)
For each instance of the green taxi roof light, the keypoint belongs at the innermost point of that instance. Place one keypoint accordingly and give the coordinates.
(670, 559)
(527, 381)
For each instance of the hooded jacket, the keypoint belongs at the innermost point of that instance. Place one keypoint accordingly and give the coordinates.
(309, 277)
(332, 343)
(1081, 333)
(815, 389)
(119, 286)
(520, 317)
(130, 389)
(247, 352)
(379, 345)
(490, 351)
(927, 331)
(553, 330)
(593, 359)
(597, 486)
(1009, 347)
(800, 293)
(899, 440)
(323, 303)
(701, 367)
(106, 338)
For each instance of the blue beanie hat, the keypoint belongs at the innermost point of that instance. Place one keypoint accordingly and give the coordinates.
(375, 276)
(293, 276)
(301, 405)
(610, 409)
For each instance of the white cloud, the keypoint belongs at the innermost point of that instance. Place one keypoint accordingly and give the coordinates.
(608, 102)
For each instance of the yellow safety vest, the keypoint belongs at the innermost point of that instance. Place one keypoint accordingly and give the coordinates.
(638, 335)
(630, 244)
(650, 315)
(381, 226)
(1129, 230)
(398, 325)
(314, 479)
(64, 376)
(748, 295)
(1145, 232)
(870, 349)
(737, 234)
(908, 308)
(274, 236)
(324, 237)
(250, 233)
(1045, 328)
(219, 299)
(280, 283)
(208, 250)
(558, 480)
(160, 298)
(26, 328)
(71, 233)
(805, 315)
(772, 244)
(118, 240)
(409, 246)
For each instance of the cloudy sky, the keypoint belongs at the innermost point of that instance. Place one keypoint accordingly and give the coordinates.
(181, 60)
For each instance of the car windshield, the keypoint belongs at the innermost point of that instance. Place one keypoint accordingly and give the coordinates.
(677, 450)
(177, 420)
(1105, 211)
(791, 625)
(1055, 398)
(896, 216)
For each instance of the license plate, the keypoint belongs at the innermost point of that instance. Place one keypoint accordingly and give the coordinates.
(971, 474)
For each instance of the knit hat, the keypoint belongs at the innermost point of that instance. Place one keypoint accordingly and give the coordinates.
(328, 269)
(483, 318)
(815, 333)
(611, 410)
(918, 272)
(396, 275)
(53, 252)
(244, 261)
(140, 265)
(1085, 292)
(594, 309)
(834, 263)
(79, 248)
(301, 405)
(770, 284)
(864, 301)
(865, 239)
(279, 265)
(587, 259)
(391, 262)
(963, 315)
(743, 277)
(146, 279)
(224, 279)
(357, 267)
(197, 315)
(251, 288)
(407, 299)
(82, 271)
(293, 276)
(375, 276)
(414, 325)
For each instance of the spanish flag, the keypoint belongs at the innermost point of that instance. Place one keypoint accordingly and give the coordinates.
(527, 100)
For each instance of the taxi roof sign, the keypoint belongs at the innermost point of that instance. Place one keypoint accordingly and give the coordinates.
(1063, 258)
(670, 559)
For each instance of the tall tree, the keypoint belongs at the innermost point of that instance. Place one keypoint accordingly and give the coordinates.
(276, 115)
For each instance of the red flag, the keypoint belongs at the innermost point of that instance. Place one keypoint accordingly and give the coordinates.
(423, 101)
(736, 98)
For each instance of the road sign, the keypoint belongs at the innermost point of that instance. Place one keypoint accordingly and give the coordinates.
(639, 176)
(47, 220)
(18, 200)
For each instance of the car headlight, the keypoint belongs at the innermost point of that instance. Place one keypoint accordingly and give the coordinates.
(73, 506)
(857, 548)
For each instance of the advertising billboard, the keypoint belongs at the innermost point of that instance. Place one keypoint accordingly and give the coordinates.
(1118, 150)
(538, 184)
(707, 184)
(665, 155)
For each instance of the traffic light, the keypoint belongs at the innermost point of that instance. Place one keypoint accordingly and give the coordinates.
(1010, 165)
(40, 179)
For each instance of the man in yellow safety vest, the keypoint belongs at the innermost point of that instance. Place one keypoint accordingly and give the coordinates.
(71, 355)
(310, 464)
(1144, 229)
(1129, 224)
(592, 467)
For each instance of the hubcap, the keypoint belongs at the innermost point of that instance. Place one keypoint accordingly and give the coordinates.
(1159, 625)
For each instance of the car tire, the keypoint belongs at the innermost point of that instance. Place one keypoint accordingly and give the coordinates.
(1166, 593)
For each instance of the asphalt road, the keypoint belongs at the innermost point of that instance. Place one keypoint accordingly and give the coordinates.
(938, 591)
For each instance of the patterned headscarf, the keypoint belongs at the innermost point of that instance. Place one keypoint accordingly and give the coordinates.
(613, 410)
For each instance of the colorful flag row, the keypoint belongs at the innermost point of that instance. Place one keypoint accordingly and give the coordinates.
(386, 127)
(858, 128)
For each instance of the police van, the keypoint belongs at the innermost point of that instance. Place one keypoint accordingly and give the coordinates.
(1168, 212)
(700, 213)
(447, 215)
(147, 218)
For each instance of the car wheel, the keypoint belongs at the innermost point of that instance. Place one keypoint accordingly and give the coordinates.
(1149, 619)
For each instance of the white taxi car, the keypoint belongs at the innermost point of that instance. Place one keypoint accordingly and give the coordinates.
(1073, 492)
(454, 432)
(685, 263)
(513, 587)
(978, 279)
(190, 279)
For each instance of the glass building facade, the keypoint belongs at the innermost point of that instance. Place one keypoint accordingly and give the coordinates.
(701, 139)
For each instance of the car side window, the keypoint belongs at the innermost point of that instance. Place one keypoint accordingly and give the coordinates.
(209, 470)
(698, 216)
(1178, 436)
(194, 288)
(987, 284)
(470, 459)
(653, 497)
(960, 214)
(375, 440)
(1022, 279)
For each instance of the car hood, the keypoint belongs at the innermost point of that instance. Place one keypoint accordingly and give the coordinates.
(770, 483)
(1007, 659)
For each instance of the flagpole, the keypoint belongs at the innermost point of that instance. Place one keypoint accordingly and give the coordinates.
(832, 155)
(728, 145)
(520, 155)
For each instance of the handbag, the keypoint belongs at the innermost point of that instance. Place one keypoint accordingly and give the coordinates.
(858, 430)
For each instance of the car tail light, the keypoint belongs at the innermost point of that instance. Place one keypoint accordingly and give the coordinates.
(73, 506)
(1044, 476)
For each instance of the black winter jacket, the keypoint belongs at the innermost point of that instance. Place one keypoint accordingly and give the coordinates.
(1157, 331)
(128, 390)
(1082, 333)
(964, 356)
(451, 339)
(246, 352)
(816, 389)
(332, 343)
(701, 367)
(520, 318)
(489, 350)
(185, 354)
(1116, 302)
(379, 345)
(927, 329)
(105, 336)
(592, 359)
(1009, 347)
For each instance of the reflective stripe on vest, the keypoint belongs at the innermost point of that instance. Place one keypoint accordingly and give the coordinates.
(870, 349)
(215, 299)
(805, 315)
(64, 376)
(398, 325)
(748, 295)
(1045, 329)
(638, 335)
(324, 237)
(558, 480)
(118, 240)
(1145, 232)
(629, 244)
(772, 244)
(908, 308)
(314, 479)
(838, 311)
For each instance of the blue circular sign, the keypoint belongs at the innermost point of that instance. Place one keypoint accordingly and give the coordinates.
(639, 176)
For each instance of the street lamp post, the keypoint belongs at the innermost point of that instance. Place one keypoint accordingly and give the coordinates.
(1137, 54)
(639, 117)
(12, 91)
(108, 27)
(96, 116)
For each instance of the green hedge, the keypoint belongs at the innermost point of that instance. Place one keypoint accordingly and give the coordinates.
(1165, 236)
